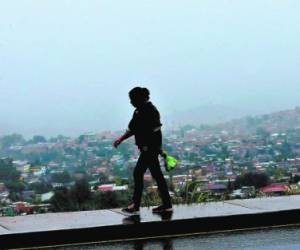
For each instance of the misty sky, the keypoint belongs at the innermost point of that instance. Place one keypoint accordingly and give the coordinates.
(66, 66)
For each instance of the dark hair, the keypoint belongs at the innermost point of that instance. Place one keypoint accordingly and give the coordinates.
(139, 92)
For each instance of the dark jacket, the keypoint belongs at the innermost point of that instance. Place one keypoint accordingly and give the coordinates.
(145, 125)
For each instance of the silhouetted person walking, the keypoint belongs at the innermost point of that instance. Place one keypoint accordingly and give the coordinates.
(145, 125)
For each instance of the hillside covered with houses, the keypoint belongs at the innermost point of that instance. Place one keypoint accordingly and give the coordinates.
(244, 158)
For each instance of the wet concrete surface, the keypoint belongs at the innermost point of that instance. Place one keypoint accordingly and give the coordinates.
(59, 221)
(3, 230)
(103, 225)
(270, 203)
(85, 219)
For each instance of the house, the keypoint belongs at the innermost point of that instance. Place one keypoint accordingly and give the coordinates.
(274, 189)
(105, 188)
(111, 188)
(22, 207)
(216, 189)
(35, 148)
(120, 188)
(47, 196)
(22, 166)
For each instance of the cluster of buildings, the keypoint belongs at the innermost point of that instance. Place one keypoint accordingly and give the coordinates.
(211, 157)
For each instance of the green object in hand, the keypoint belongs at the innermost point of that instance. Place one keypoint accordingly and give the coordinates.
(170, 161)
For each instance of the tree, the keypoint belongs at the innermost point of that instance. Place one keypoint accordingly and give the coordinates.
(40, 187)
(257, 180)
(7, 171)
(118, 181)
(81, 193)
(11, 140)
(102, 178)
(104, 200)
(63, 177)
(38, 138)
(295, 179)
(11, 178)
(286, 150)
(278, 173)
(229, 185)
(224, 152)
(81, 139)
(62, 201)
(262, 132)
(14, 186)
(59, 138)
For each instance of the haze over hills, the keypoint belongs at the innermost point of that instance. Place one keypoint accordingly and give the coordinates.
(218, 116)
(275, 122)
(280, 121)
(214, 114)
(66, 68)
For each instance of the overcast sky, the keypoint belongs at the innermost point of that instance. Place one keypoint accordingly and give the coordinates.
(66, 66)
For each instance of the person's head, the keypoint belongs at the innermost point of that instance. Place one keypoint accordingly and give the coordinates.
(139, 96)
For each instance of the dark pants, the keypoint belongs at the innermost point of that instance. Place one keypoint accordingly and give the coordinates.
(149, 159)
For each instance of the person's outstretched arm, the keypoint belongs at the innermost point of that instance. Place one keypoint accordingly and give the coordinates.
(119, 140)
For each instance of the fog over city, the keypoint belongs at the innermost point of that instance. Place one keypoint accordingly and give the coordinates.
(66, 66)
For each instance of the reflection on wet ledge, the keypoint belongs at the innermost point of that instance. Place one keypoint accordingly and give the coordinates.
(135, 219)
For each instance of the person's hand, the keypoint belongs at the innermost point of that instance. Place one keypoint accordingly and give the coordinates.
(117, 142)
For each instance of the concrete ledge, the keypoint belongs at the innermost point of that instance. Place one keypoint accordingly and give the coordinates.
(109, 225)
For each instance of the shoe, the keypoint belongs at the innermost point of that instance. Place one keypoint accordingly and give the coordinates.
(130, 211)
(162, 209)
